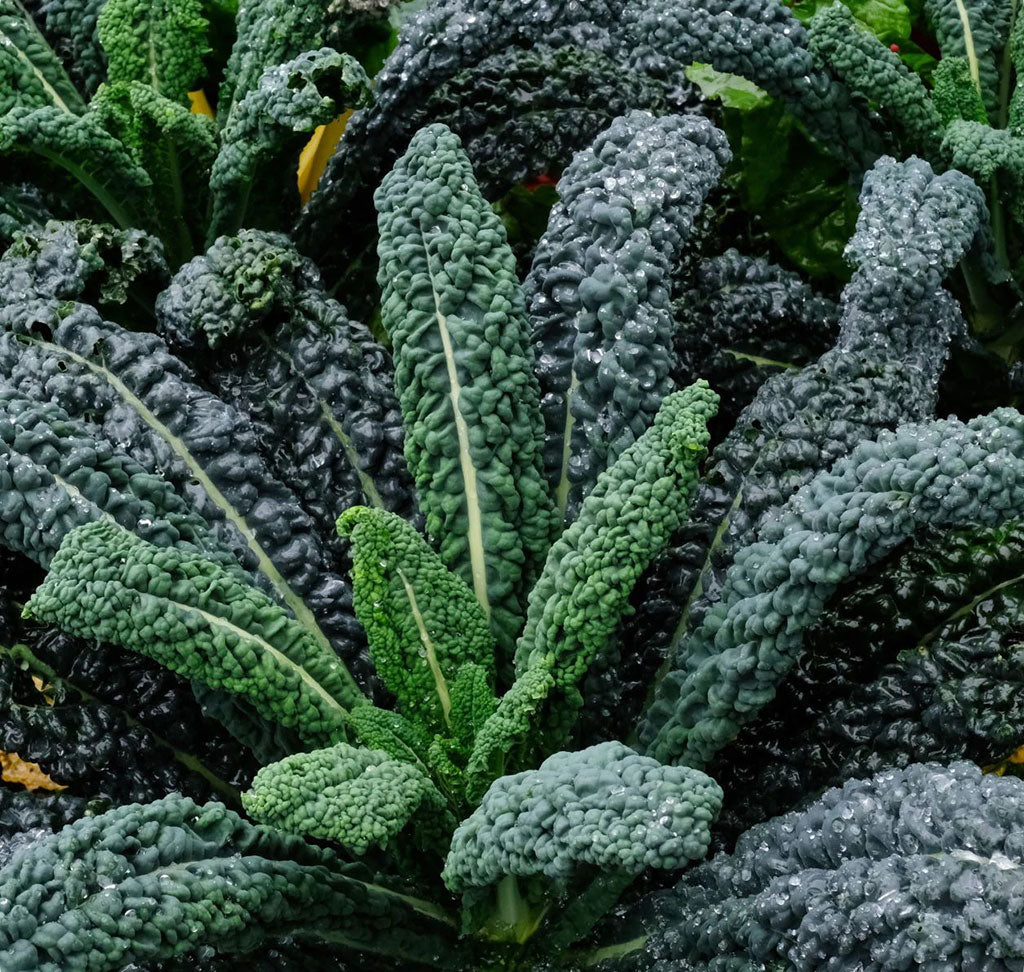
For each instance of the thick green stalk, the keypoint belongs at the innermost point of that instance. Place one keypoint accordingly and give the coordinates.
(513, 919)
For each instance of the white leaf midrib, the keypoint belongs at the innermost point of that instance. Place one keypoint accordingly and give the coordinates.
(266, 565)
(474, 526)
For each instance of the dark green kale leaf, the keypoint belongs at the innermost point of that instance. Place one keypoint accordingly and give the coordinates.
(102, 721)
(521, 114)
(70, 27)
(177, 873)
(895, 331)
(145, 400)
(117, 271)
(919, 660)
(599, 291)
(918, 867)
(315, 383)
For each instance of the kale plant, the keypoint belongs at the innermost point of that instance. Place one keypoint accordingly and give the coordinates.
(507, 559)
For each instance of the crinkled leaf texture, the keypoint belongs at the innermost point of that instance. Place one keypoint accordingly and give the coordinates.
(198, 620)
(150, 881)
(606, 806)
(944, 473)
(599, 290)
(422, 621)
(920, 867)
(314, 382)
(145, 400)
(919, 658)
(583, 591)
(357, 797)
(455, 312)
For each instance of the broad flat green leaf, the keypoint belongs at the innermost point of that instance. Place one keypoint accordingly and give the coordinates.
(803, 196)
(888, 20)
(917, 59)
(732, 90)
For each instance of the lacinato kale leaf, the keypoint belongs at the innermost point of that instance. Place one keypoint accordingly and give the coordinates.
(877, 870)
(387, 523)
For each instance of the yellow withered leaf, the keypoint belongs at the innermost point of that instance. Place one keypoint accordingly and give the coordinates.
(14, 769)
(318, 150)
(200, 104)
(1014, 759)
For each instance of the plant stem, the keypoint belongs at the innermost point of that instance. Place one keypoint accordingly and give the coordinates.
(586, 909)
(995, 205)
(1004, 74)
(513, 919)
(599, 955)
(987, 314)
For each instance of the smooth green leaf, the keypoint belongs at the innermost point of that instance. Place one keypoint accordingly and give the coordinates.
(804, 197)
(732, 90)
(889, 20)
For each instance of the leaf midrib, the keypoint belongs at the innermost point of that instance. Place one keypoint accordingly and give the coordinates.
(21, 55)
(267, 567)
(440, 685)
(474, 526)
(215, 621)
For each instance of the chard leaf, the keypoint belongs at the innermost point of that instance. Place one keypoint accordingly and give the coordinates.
(731, 89)
(918, 59)
(198, 620)
(803, 196)
(889, 20)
